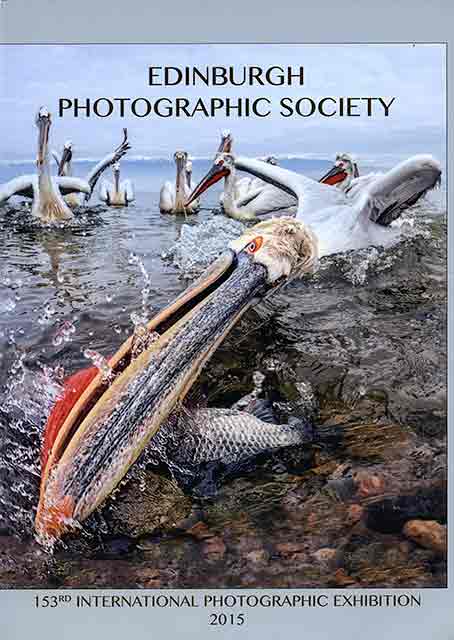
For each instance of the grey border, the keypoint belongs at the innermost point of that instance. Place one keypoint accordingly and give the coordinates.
(386, 22)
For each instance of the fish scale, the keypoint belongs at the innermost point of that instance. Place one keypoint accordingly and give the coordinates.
(224, 435)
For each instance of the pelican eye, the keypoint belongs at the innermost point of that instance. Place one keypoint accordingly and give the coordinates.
(254, 245)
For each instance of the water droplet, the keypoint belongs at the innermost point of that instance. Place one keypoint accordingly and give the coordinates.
(7, 305)
(99, 361)
(64, 333)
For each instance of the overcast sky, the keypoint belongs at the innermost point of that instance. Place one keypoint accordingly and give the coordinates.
(35, 75)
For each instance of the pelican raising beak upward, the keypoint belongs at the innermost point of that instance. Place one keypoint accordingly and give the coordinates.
(112, 421)
(50, 206)
(46, 191)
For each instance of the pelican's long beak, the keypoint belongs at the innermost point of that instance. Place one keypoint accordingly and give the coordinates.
(65, 157)
(335, 175)
(216, 173)
(112, 422)
(43, 123)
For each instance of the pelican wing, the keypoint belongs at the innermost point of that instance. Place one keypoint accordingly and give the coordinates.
(360, 184)
(69, 184)
(167, 196)
(107, 161)
(21, 186)
(249, 196)
(311, 195)
(401, 187)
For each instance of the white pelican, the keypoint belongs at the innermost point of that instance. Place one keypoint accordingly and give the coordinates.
(238, 199)
(343, 172)
(65, 165)
(173, 196)
(118, 194)
(341, 221)
(259, 200)
(188, 170)
(46, 191)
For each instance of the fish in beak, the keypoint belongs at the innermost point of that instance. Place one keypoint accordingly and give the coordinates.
(43, 122)
(335, 175)
(110, 422)
(218, 171)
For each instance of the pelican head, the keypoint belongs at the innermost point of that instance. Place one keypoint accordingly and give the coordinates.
(116, 167)
(43, 122)
(284, 246)
(225, 146)
(222, 166)
(112, 421)
(342, 172)
(180, 157)
(347, 161)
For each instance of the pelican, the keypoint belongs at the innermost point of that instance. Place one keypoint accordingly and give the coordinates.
(173, 196)
(46, 191)
(188, 170)
(101, 426)
(239, 198)
(258, 200)
(341, 221)
(238, 186)
(118, 194)
(64, 163)
(343, 172)
(65, 169)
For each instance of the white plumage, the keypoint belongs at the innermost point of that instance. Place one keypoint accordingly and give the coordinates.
(173, 195)
(48, 204)
(342, 221)
(119, 193)
(64, 163)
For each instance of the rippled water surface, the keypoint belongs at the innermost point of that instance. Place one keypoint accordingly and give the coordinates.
(361, 344)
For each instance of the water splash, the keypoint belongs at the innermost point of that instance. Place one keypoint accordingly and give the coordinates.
(47, 315)
(100, 362)
(64, 333)
(198, 246)
(135, 260)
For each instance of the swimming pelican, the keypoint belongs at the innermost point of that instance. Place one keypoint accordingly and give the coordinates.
(100, 427)
(118, 194)
(238, 199)
(343, 172)
(258, 200)
(239, 186)
(65, 166)
(188, 170)
(173, 196)
(46, 191)
(341, 221)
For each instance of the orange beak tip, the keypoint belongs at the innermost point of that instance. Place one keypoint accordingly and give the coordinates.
(53, 520)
